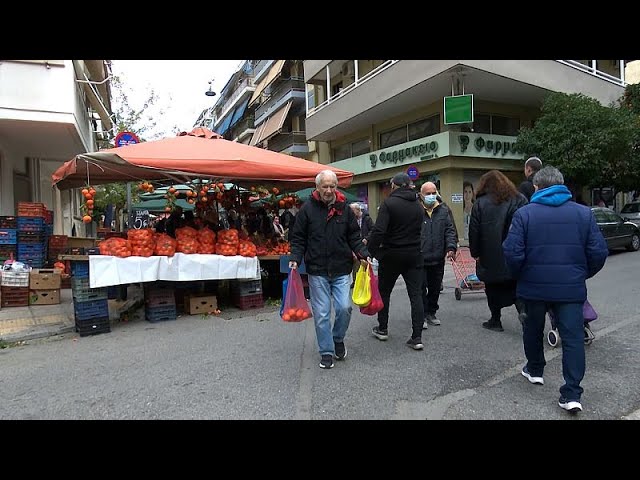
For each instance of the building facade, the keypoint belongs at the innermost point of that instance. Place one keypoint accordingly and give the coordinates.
(50, 111)
(380, 117)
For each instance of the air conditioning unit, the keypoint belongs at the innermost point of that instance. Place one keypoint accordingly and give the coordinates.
(348, 70)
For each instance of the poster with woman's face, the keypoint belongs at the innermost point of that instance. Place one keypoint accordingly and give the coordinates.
(470, 181)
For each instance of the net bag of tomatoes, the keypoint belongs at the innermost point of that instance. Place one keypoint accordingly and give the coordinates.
(247, 249)
(227, 242)
(187, 239)
(165, 245)
(142, 242)
(296, 308)
(206, 241)
(116, 246)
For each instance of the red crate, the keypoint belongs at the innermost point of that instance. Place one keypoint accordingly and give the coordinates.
(249, 301)
(58, 241)
(15, 296)
(29, 209)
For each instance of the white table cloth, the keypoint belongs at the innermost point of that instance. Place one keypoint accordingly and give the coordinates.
(107, 270)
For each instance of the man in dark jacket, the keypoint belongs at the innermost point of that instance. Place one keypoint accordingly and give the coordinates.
(553, 246)
(325, 234)
(531, 167)
(395, 242)
(438, 238)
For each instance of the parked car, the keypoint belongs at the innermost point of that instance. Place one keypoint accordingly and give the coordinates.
(631, 212)
(617, 232)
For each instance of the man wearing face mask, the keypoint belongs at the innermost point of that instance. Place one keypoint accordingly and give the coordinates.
(438, 239)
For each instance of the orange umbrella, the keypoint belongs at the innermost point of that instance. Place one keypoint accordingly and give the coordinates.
(200, 153)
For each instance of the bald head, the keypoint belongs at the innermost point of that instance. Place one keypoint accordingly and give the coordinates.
(428, 188)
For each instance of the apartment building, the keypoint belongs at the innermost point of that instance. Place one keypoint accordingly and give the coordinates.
(263, 104)
(50, 111)
(380, 117)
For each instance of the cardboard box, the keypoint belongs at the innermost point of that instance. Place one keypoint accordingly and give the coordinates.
(44, 297)
(45, 279)
(200, 303)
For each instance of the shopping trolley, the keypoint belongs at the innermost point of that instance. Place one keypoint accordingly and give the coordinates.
(464, 269)
(589, 314)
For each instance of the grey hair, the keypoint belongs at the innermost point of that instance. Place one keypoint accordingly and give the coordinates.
(534, 163)
(547, 177)
(356, 205)
(326, 173)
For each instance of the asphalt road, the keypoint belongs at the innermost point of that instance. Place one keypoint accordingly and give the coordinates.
(262, 368)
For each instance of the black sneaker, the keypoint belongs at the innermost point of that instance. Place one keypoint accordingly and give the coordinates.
(379, 333)
(535, 380)
(494, 326)
(326, 362)
(415, 343)
(571, 406)
(341, 350)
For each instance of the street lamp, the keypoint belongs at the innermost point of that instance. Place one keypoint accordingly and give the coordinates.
(210, 93)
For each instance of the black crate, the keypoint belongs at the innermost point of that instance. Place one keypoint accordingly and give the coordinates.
(80, 268)
(8, 222)
(160, 314)
(93, 326)
(92, 309)
(246, 287)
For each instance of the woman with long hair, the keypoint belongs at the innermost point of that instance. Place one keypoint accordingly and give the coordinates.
(497, 199)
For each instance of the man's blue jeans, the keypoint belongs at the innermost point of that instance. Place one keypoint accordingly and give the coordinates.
(322, 289)
(570, 323)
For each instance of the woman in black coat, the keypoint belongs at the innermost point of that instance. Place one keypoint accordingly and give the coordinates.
(497, 199)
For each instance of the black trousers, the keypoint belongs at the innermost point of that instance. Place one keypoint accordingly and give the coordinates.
(431, 281)
(410, 267)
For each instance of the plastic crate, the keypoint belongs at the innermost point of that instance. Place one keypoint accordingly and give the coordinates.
(93, 326)
(160, 314)
(82, 293)
(8, 222)
(160, 297)
(8, 236)
(15, 279)
(30, 209)
(32, 238)
(92, 309)
(30, 224)
(31, 249)
(58, 241)
(247, 302)
(14, 296)
(246, 287)
(80, 269)
(48, 217)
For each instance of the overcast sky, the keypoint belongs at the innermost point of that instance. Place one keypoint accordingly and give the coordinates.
(179, 84)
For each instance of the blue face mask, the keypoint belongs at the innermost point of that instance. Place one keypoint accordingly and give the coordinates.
(430, 199)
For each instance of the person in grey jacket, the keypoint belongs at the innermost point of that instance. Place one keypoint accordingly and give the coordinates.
(438, 239)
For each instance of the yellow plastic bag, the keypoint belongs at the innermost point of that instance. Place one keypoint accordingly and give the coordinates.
(362, 289)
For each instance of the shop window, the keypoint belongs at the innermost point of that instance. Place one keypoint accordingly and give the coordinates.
(360, 147)
(342, 152)
(505, 125)
(393, 137)
(424, 128)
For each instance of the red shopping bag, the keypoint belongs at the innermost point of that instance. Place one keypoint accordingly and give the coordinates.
(376, 300)
(296, 308)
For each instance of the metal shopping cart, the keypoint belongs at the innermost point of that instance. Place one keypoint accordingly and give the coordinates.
(464, 269)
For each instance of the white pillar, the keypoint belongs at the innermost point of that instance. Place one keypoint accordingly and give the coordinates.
(328, 83)
(594, 65)
(306, 97)
(355, 70)
(622, 70)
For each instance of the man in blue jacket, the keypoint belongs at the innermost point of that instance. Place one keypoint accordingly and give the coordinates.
(553, 246)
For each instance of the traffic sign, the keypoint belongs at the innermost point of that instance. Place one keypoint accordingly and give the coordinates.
(126, 138)
(413, 173)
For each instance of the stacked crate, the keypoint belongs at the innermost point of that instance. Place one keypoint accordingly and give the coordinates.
(14, 289)
(246, 294)
(90, 305)
(8, 238)
(32, 237)
(57, 246)
(160, 303)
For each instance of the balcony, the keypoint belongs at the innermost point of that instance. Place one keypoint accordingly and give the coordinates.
(243, 128)
(261, 68)
(244, 88)
(290, 89)
(289, 142)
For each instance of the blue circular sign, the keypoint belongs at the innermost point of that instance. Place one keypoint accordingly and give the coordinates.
(413, 172)
(126, 138)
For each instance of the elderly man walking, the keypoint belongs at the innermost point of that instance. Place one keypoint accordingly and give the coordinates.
(325, 234)
(438, 239)
(531, 167)
(552, 247)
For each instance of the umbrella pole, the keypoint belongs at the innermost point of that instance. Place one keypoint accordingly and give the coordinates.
(128, 204)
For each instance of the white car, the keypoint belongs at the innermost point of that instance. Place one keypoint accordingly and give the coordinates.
(631, 212)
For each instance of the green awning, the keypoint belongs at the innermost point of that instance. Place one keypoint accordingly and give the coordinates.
(158, 205)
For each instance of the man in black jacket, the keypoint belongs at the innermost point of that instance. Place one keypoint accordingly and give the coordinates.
(438, 239)
(395, 242)
(365, 223)
(531, 167)
(325, 234)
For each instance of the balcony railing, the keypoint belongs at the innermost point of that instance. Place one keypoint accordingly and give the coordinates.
(358, 81)
(593, 71)
(232, 99)
(284, 140)
(243, 125)
(293, 83)
(261, 68)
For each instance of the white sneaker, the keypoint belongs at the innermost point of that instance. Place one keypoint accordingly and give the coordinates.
(534, 380)
(570, 406)
(425, 325)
